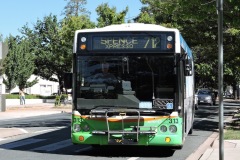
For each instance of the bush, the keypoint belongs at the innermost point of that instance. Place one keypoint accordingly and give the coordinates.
(60, 98)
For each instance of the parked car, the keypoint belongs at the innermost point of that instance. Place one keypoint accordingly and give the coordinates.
(196, 102)
(206, 96)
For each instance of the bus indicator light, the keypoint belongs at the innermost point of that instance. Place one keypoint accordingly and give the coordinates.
(83, 46)
(81, 138)
(169, 46)
(167, 139)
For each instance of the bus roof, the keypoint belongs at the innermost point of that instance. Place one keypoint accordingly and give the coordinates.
(139, 27)
(129, 27)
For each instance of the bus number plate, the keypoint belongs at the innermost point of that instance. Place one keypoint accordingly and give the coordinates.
(173, 120)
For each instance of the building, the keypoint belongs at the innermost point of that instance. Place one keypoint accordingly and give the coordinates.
(43, 87)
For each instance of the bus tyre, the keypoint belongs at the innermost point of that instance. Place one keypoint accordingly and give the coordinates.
(96, 146)
(177, 147)
(191, 131)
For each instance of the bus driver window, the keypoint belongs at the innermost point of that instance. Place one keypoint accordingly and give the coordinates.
(105, 76)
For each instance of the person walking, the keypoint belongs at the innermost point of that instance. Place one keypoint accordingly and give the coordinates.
(22, 97)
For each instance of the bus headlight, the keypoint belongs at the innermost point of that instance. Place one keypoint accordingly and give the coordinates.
(173, 129)
(163, 128)
(83, 39)
(76, 128)
(169, 38)
(86, 128)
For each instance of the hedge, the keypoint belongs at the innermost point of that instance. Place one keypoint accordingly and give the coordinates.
(30, 96)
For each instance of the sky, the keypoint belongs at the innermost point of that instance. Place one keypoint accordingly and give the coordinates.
(14, 14)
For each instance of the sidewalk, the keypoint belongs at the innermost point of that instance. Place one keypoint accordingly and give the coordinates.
(231, 147)
(231, 150)
(209, 150)
(29, 110)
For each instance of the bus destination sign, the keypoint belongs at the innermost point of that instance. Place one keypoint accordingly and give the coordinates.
(126, 42)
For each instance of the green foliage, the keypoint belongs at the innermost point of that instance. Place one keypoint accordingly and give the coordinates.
(60, 98)
(19, 63)
(54, 56)
(145, 17)
(25, 63)
(197, 21)
(69, 25)
(57, 101)
(75, 8)
(1, 37)
(233, 31)
(109, 16)
(31, 96)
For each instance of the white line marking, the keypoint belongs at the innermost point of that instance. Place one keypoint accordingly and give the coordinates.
(20, 143)
(46, 130)
(196, 122)
(133, 158)
(49, 130)
(54, 146)
(83, 149)
(23, 130)
(2, 139)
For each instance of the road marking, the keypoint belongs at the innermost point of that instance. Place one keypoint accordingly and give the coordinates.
(46, 130)
(23, 130)
(196, 122)
(54, 146)
(20, 143)
(133, 158)
(2, 139)
(49, 130)
(83, 149)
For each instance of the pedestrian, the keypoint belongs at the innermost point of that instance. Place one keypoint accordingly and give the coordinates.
(22, 97)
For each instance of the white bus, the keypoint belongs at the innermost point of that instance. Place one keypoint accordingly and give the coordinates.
(149, 98)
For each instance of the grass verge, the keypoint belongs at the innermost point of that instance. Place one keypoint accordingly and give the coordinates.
(232, 130)
(231, 134)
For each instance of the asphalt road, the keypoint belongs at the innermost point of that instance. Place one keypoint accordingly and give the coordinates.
(48, 137)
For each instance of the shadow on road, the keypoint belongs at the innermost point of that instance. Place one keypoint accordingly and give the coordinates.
(129, 151)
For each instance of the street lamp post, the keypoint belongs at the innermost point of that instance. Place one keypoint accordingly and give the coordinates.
(220, 77)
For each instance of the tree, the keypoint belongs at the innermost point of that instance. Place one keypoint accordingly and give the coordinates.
(70, 24)
(1, 37)
(197, 21)
(53, 58)
(108, 16)
(9, 67)
(75, 8)
(19, 63)
(145, 17)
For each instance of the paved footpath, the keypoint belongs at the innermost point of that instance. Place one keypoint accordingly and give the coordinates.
(211, 152)
(21, 111)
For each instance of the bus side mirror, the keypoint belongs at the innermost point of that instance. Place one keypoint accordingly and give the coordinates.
(188, 67)
(67, 78)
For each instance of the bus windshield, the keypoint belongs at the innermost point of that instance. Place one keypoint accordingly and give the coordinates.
(125, 81)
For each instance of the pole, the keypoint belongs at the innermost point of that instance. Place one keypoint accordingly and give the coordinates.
(220, 78)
